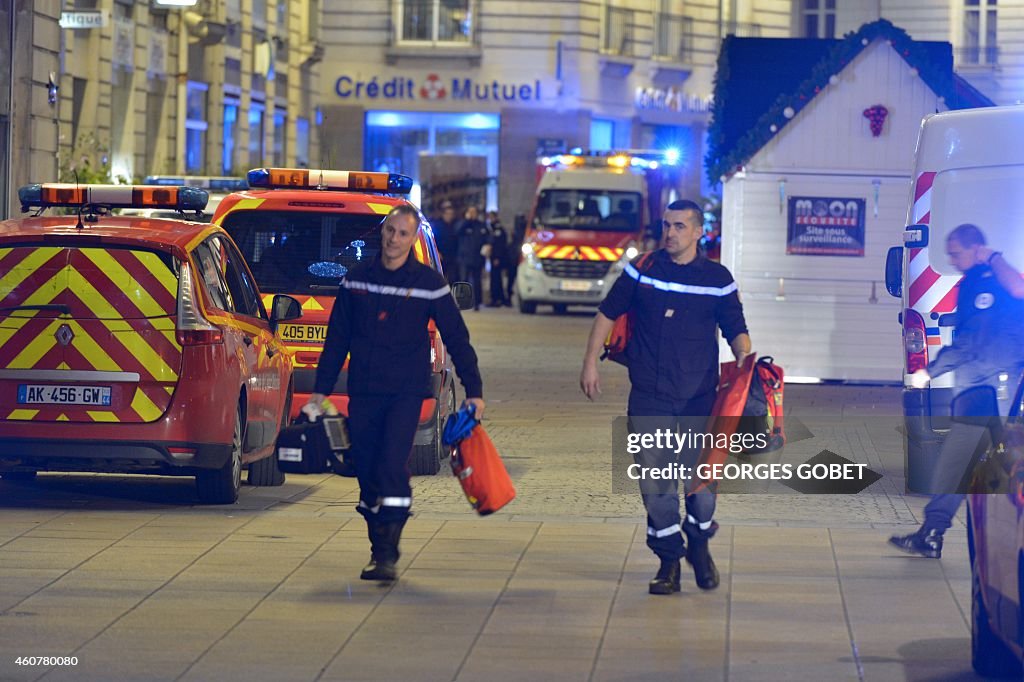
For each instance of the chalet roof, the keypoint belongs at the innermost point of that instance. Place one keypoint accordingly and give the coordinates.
(759, 78)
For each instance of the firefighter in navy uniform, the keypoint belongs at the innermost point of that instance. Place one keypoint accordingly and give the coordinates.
(677, 298)
(380, 319)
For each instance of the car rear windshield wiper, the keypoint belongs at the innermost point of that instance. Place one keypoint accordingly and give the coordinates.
(59, 307)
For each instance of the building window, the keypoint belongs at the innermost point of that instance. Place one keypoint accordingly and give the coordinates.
(313, 21)
(435, 21)
(980, 35)
(259, 14)
(618, 30)
(280, 136)
(435, 147)
(230, 130)
(819, 18)
(195, 127)
(256, 135)
(602, 134)
(302, 142)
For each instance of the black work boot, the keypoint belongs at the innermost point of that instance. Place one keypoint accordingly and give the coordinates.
(926, 542)
(384, 553)
(667, 579)
(697, 555)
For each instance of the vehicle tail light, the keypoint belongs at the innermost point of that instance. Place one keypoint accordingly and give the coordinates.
(915, 343)
(193, 328)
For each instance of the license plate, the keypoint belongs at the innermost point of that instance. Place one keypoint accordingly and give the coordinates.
(35, 394)
(575, 285)
(289, 454)
(305, 333)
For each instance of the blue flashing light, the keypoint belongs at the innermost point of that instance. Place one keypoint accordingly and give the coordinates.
(576, 150)
(29, 196)
(400, 184)
(672, 156)
(258, 177)
(192, 199)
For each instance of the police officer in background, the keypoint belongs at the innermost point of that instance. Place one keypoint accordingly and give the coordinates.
(987, 350)
(677, 298)
(380, 318)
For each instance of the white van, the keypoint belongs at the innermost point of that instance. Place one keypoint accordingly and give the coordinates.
(969, 168)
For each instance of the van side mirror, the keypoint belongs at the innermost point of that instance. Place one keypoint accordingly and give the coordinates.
(894, 271)
(282, 309)
(463, 293)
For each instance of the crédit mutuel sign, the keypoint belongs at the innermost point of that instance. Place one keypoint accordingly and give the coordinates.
(436, 88)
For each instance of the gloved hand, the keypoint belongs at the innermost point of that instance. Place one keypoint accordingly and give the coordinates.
(317, 406)
(920, 378)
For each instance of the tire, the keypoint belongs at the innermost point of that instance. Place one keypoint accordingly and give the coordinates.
(221, 486)
(427, 459)
(527, 307)
(560, 308)
(18, 475)
(266, 472)
(990, 655)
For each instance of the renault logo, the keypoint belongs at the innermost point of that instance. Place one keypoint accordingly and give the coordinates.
(64, 335)
(576, 255)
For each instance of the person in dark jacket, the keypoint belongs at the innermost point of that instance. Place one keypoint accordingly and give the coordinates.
(678, 299)
(499, 260)
(987, 350)
(444, 236)
(515, 251)
(380, 320)
(473, 237)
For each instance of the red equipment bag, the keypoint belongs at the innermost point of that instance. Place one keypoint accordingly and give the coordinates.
(484, 479)
(762, 413)
(618, 337)
(733, 390)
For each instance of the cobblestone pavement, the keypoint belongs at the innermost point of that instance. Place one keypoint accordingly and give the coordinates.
(132, 578)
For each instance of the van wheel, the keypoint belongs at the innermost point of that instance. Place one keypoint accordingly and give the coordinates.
(221, 486)
(266, 472)
(427, 459)
(527, 307)
(990, 656)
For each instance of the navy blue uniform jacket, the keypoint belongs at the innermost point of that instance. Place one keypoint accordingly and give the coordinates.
(989, 334)
(380, 318)
(673, 350)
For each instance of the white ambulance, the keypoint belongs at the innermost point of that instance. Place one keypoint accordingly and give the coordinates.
(969, 168)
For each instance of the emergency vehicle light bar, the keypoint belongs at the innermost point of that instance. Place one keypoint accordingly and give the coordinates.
(112, 196)
(616, 159)
(308, 178)
(216, 183)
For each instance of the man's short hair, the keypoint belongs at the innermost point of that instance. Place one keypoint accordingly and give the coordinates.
(686, 205)
(967, 235)
(405, 209)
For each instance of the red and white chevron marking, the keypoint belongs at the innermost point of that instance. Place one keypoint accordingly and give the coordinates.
(929, 292)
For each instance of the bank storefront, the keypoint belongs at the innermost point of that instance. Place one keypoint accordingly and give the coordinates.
(473, 136)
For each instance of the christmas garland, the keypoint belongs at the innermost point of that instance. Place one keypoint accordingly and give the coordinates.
(721, 163)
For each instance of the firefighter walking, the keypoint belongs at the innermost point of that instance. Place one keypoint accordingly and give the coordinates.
(380, 320)
(678, 298)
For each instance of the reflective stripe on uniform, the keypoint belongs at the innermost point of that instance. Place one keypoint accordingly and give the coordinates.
(703, 525)
(404, 292)
(396, 501)
(363, 505)
(676, 528)
(677, 288)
